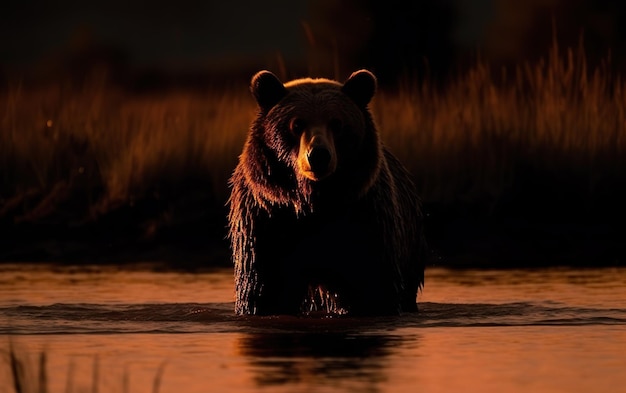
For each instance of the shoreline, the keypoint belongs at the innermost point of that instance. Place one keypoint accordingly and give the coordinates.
(456, 240)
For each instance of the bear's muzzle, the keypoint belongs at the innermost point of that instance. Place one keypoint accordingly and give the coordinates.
(317, 158)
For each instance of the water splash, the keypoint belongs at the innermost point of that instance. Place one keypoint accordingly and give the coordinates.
(321, 300)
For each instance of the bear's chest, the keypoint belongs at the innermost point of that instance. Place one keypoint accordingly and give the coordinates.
(330, 241)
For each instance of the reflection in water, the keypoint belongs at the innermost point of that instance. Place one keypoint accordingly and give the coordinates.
(526, 330)
(292, 358)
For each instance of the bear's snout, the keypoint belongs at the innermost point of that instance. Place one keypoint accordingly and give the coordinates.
(317, 158)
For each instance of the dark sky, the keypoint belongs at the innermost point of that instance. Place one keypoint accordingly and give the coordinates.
(187, 34)
(187, 31)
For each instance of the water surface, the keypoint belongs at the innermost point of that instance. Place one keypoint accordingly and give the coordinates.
(107, 329)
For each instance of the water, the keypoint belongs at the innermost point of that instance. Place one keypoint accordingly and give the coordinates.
(103, 329)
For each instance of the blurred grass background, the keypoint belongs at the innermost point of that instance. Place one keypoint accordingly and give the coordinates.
(516, 165)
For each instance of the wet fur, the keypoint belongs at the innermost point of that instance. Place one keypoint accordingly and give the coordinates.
(356, 232)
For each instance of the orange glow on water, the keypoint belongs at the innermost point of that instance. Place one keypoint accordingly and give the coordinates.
(542, 330)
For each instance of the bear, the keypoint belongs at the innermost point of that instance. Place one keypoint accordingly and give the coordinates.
(322, 217)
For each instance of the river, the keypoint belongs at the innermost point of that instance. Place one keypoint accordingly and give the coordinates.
(145, 329)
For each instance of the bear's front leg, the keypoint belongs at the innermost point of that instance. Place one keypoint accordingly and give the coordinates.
(280, 292)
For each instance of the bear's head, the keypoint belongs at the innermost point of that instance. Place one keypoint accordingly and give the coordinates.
(312, 139)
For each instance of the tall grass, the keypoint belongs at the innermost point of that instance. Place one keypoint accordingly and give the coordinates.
(116, 148)
(27, 376)
(472, 140)
(489, 127)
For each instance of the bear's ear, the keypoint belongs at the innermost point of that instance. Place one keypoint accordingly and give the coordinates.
(360, 87)
(267, 89)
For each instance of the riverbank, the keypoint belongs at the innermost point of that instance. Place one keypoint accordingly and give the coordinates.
(135, 234)
(515, 167)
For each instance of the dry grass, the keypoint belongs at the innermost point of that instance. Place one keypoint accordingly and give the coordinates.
(129, 136)
(554, 116)
(27, 376)
(471, 140)
(116, 148)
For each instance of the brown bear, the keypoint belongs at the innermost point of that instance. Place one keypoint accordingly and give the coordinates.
(323, 218)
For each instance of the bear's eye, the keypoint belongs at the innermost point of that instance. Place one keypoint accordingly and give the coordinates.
(297, 125)
(335, 126)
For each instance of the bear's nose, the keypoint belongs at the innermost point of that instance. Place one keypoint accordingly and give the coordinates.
(319, 158)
